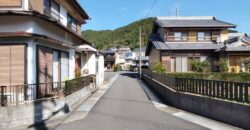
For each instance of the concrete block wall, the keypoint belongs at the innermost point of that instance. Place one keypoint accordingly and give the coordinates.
(36, 112)
(224, 111)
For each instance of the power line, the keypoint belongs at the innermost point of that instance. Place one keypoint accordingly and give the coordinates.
(151, 8)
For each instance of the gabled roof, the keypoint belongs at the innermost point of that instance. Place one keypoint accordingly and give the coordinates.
(193, 21)
(233, 35)
(236, 49)
(159, 44)
(236, 38)
(82, 11)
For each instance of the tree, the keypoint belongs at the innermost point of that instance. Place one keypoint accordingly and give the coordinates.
(198, 66)
(223, 65)
(159, 68)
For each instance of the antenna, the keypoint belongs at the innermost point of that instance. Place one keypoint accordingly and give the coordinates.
(176, 12)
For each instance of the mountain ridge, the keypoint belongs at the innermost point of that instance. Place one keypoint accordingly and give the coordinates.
(123, 36)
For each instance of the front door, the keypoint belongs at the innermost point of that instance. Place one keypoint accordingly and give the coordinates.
(45, 71)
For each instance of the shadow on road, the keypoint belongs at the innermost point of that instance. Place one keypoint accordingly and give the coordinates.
(129, 74)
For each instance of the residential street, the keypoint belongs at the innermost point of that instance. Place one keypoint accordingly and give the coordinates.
(126, 106)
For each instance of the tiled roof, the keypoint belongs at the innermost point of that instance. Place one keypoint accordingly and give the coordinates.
(246, 39)
(240, 48)
(161, 45)
(233, 35)
(191, 22)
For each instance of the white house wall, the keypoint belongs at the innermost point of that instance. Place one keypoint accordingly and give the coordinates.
(16, 24)
(89, 63)
(100, 70)
(71, 64)
(35, 25)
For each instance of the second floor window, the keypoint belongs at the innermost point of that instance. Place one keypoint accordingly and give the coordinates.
(72, 24)
(180, 36)
(204, 36)
(52, 9)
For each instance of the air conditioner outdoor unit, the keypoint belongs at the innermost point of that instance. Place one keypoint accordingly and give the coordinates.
(218, 40)
(86, 71)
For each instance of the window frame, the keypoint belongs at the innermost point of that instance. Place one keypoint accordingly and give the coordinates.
(71, 21)
(48, 9)
(180, 37)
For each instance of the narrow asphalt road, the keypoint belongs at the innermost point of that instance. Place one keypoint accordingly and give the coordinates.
(125, 106)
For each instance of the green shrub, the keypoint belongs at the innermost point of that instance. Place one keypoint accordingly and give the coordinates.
(117, 68)
(233, 77)
(246, 62)
(223, 65)
(159, 68)
(198, 66)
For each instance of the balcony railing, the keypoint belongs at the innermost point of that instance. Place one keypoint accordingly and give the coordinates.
(72, 27)
(177, 39)
(19, 94)
(186, 39)
(52, 14)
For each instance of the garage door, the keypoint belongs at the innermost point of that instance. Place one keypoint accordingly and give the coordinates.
(12, 65)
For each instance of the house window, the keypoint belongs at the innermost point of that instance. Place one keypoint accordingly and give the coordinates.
(204, 36)
(177, 36)
(215, 35)
(72, 24)
(173, 64)
(12, 65)
(64, 66)
(52, 9)
(180, 36)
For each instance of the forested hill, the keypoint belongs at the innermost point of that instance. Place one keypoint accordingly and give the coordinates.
(124, 36)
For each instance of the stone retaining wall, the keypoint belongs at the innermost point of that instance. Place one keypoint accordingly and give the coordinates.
(224, 111)
(42, 110)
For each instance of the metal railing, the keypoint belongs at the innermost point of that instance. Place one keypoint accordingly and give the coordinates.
(19, 94)
(186, 39)
(52, 14)
(234, 91)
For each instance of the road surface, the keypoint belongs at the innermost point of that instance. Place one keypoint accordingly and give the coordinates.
(125, 106)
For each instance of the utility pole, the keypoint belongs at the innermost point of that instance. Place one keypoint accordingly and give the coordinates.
(176, 12)
(140, 71)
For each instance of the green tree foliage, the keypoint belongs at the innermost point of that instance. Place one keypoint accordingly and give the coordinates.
(124, 36)
(159, 68)
(199, 66)
(117, 68)
(223, 65)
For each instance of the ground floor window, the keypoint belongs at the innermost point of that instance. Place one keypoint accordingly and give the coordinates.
(64, 66)
(12, 65)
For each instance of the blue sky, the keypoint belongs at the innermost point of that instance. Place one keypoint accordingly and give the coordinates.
(111, 14)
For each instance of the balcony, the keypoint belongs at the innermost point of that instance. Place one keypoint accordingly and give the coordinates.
(52, 14)
(190, 39)
(72, 27)
(177, 39)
